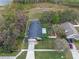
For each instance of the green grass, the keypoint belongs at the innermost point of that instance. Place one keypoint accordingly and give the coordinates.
(20, 6)
(9, 54)
(35, 15)
(22, 45)
(77, 44)
(49, 55)
(45, 44)
(25, 45)
(20, 39)
(22, 56)
(45, 25)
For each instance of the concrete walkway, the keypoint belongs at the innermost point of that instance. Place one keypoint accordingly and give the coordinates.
(7, 57)
(43, 50)
(30, 52)
(47, 50)
(75, 53)
(76, 25)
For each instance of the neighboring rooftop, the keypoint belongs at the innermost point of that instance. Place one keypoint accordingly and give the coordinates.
(70, 30)
(35, 30)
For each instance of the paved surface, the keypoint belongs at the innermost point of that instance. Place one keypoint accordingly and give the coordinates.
(42, 50)
(75, 52)
(30, 52)
(7, 57)
(76, 25)
(46, 50)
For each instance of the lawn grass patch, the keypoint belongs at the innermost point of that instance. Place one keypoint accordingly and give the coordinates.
(49, 55)
(45, 44)
(76, 43)
(25, 45)
(8, 54)
(35, 15)
(22, 56)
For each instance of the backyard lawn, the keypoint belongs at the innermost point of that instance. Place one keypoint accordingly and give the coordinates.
(50, 55)
(22, 56)
(45, 44)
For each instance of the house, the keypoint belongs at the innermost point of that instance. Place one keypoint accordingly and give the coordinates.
(35, 30)
(5, 2)
(70, 31)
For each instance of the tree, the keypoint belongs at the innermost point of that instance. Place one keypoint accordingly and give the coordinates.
(14, 23)
(50, 18)
(9, 43)
(68, 15)
(55, 19)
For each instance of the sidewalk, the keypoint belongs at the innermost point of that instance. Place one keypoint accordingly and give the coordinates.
(75, 53)
(30, 52)
(7, 57)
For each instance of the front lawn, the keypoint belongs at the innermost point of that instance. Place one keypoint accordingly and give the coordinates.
(50, 55)
(45, 44)
(9, 54)
(22, 56)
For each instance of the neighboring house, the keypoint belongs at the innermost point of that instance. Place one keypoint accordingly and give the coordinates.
(5, 2)
(35, 30)
(70, 31)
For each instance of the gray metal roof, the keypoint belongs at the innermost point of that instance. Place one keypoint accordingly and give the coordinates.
(35, 30)
(70, 30)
